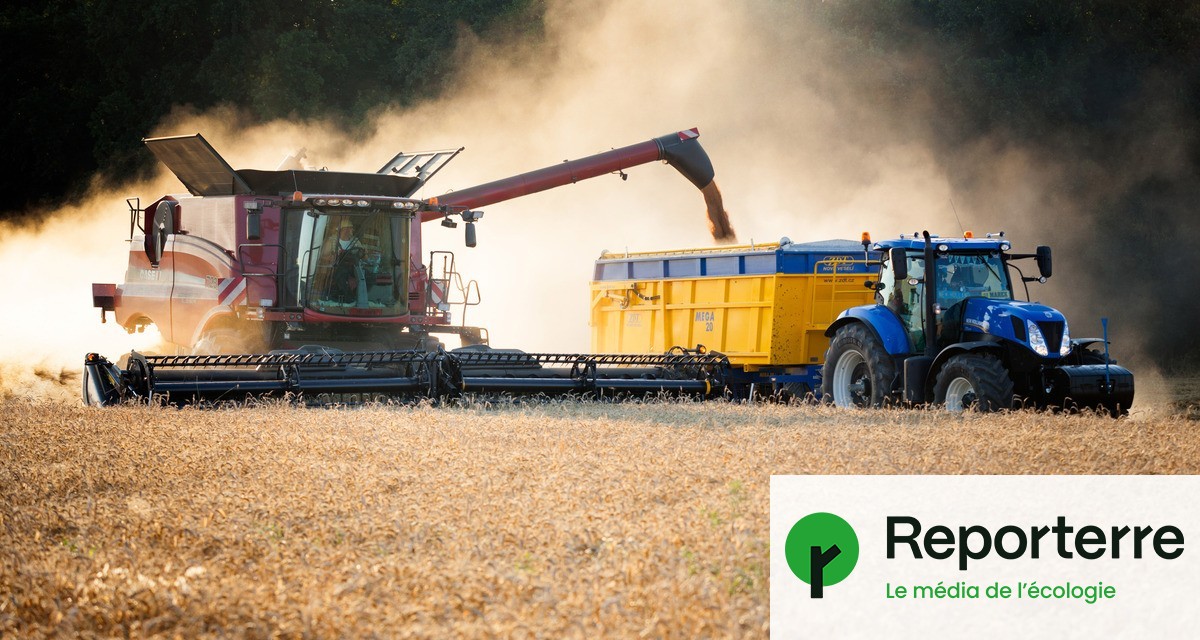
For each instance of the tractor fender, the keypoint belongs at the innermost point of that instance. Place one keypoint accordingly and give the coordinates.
(882, 322)
(956, 349)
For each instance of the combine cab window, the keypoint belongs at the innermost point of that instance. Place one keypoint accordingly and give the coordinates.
(354, 264)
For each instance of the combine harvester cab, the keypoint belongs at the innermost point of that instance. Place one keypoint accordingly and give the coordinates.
(310, 282)
(946, 328)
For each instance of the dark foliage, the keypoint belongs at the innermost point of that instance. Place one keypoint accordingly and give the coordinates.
(86, 80)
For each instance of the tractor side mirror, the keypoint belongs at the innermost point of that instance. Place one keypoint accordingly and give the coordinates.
(899, 261)
(471, 234)
(1044, 264)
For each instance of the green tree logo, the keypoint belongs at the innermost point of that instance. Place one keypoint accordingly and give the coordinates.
(821, 549)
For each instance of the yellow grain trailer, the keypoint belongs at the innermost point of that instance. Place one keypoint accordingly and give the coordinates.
(765, 306)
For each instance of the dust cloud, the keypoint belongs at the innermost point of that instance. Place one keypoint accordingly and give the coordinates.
(800, 144)
(795, 149)
(48, 322)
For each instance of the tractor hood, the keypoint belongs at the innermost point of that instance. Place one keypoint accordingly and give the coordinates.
(1043, 329)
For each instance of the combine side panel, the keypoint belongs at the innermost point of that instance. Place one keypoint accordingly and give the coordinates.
(146, 292)
(207, 284)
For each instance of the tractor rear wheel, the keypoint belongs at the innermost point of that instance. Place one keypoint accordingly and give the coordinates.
(858, 370)
(974, 381)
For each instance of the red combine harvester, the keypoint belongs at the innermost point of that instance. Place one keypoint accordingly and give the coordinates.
(317, 280)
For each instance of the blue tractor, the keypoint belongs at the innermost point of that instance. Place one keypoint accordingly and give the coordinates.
(947, 329)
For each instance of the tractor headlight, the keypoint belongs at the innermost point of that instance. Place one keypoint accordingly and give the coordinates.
(1036, 340)
(1065, 347)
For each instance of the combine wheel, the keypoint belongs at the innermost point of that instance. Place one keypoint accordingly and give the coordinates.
(858, 370)
(974, 381)
(224, 341)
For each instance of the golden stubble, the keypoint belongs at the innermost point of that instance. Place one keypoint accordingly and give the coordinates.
(559, 519)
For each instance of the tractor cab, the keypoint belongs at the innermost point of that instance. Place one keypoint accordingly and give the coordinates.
(973, 270)
(960, 290)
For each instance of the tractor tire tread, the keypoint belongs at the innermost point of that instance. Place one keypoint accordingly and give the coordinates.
(988, 375)
(879, 363)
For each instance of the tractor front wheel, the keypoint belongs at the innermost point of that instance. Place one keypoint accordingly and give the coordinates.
(858, 370)
(974, 381)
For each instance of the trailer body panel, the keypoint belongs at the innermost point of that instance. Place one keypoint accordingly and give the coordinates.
(763, 306)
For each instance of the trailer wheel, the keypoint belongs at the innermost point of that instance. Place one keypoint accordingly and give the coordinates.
(793, 393)
(858, 370)
(976, 381)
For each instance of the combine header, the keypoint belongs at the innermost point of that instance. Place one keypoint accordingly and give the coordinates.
(340, 377)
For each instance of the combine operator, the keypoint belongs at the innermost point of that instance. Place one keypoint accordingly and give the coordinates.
(345, 255)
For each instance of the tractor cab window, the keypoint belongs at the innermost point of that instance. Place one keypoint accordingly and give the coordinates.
(354, 264)
(906, 299)
(970, 275)
(887, 281)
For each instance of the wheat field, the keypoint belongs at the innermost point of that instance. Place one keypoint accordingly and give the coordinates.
(557, 519)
